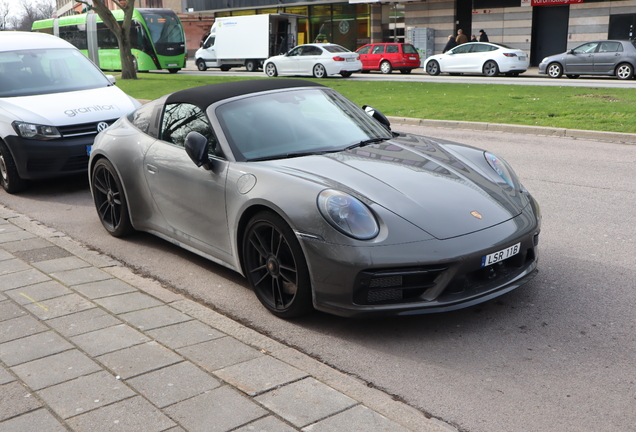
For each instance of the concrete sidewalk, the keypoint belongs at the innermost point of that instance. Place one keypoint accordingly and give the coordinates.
(87, 345)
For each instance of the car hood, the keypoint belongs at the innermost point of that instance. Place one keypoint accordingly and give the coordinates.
(421, 181)
(60, 109)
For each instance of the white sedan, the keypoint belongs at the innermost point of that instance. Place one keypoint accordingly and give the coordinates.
(319, 60)
(491, 59)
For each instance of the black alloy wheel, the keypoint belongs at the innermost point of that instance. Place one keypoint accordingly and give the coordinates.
(275, 266)
(9, 177)
(110, 200)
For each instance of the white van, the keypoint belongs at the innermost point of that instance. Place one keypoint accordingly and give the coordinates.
(53, 102)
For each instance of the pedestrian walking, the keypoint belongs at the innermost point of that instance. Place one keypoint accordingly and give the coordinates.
(461, 37)
(450, 44)
(483, 37)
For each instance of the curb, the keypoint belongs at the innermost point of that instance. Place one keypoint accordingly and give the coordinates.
(615, 137)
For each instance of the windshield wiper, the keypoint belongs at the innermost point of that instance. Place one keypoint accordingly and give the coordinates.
(292, 155)
(367, 142)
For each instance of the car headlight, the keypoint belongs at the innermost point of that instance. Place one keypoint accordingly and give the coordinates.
(501, 167)
(347, 214)
(36, 131)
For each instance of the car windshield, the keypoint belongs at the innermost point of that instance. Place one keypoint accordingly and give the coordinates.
(335, 48)
(44, 71)
(295, 123)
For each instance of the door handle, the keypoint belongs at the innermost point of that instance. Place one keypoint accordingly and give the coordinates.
(151, 168)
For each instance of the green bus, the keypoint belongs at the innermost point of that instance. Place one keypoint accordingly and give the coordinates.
(156, 36)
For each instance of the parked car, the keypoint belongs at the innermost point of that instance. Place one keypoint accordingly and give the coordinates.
(387, 57)
(606, 57)
(486, 58)
(319, 60)
(315, 201)
(53, 101)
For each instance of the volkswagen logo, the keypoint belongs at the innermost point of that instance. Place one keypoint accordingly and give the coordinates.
(102, 126)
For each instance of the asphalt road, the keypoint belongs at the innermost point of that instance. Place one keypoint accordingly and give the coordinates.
(555, 355)
(530, 77)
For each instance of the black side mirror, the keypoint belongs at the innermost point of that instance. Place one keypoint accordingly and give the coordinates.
(372, 112)
(196, 146)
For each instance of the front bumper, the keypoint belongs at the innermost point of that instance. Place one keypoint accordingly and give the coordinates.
(422, 277)
(36, 159)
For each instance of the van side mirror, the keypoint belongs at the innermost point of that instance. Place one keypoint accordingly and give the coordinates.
(372, 112)
(112, 79)
(196, 146)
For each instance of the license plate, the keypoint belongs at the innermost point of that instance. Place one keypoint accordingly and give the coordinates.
(522, 58)
(412, 58)
(501, 255)
(89, 148)
(172, 64)
(350, 59)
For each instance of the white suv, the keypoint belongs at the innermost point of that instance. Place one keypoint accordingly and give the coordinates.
(53, 101)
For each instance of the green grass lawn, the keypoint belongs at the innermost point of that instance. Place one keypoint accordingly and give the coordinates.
(564, 107)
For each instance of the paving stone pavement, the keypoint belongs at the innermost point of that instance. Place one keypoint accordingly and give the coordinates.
(87, 345)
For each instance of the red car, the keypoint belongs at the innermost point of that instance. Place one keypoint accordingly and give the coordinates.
(388, 56)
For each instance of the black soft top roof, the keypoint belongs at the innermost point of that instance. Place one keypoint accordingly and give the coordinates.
(207, 95)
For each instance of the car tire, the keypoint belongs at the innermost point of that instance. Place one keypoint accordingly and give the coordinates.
(432, 68)
(385, 67)
(275, 266)
(555, 70)
(251, 66)
(491, 69)
(319, 71)
(346, 74)
(201, 65)
(270, 70)
(405, 71)
(9, 177)
(110, 199)
(624, 71)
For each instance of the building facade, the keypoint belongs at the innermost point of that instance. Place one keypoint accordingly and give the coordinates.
(540, 27)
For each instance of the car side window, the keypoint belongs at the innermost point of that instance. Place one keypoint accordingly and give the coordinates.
(365, 50)
(409, 49)
(462, 49)
(180, 119)
(378, 49)
(480, 48)
(311, 51)
(586, 48)
(610, 47)
(392, 49)
(296, 51)
(142, 116)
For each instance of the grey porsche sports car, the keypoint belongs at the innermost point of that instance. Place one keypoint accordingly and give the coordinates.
(315, 201)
